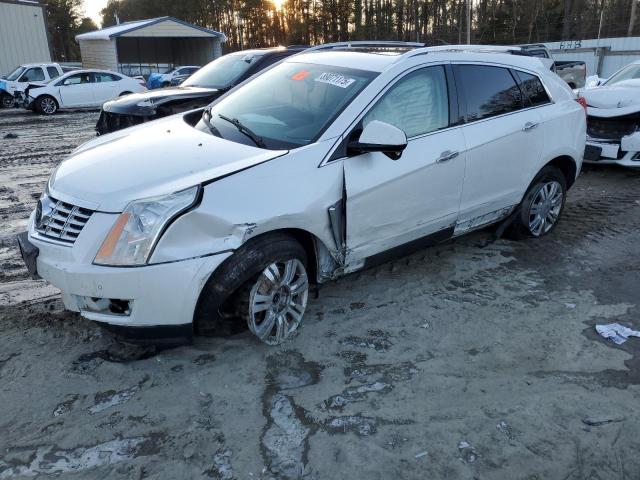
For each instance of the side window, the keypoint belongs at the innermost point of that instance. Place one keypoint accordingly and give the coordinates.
(488, 91)
(77, 79)
(417, 104)
(533, 88)
(105, 77)
(32, 75)
(53, 72)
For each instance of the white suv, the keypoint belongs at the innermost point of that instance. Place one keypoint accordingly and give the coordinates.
(324, 164)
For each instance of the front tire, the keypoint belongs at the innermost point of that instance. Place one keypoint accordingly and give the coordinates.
(263, 285)
(6, 100)
(542, 205)
(46, 105)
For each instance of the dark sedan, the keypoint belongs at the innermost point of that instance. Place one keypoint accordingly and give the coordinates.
(198, 90)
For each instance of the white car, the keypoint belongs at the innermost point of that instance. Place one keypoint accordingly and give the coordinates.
(79, 89)
(613, 121)
(323, 165)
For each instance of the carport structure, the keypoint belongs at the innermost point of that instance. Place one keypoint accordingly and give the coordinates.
(145, 46)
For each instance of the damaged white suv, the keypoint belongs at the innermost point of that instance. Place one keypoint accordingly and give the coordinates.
(325, 164)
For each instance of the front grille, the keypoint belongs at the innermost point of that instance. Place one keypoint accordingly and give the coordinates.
(612, 128)
(59, 220)
(112, 122)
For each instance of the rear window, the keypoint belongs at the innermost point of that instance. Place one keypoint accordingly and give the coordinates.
(533, 89)
(488, 91)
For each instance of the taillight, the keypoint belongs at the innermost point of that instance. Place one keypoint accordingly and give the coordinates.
(582, 101)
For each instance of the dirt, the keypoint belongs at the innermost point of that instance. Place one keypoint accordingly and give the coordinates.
(473, 359)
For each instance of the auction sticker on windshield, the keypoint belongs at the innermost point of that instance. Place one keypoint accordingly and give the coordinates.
(335, 79)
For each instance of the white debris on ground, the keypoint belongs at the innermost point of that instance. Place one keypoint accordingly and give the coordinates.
(617, 333)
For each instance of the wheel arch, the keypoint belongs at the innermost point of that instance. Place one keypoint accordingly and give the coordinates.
(567, 165)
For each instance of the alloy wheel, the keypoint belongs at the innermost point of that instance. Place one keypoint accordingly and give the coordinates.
(545, 208)
(278, 300)
(48, 105)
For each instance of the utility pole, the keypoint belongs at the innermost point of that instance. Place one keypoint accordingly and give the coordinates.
(468, 22)
(632, 19)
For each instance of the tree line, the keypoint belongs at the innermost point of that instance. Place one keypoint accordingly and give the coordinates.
(263, 23)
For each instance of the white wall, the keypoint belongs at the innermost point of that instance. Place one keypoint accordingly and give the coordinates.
(611, 53)
(99, 54)
(23, 35)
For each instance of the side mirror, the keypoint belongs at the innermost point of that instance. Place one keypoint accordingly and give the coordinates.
(382, 137)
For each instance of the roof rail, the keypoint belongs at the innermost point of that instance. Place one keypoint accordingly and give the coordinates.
(365, 44)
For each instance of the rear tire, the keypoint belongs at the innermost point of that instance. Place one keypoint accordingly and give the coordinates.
(46, 105)
(542, 205)
(6, 100)
(254, 287)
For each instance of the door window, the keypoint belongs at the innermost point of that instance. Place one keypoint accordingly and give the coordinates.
(417, 104)
(33, 75)
(488, 91)
(76, 79)
(532, 87)
(105, 77)
(53, 72)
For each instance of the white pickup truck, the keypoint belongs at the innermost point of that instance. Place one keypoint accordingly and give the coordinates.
(20, 77)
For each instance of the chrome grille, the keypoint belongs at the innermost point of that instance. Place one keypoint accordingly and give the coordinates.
(59, 220)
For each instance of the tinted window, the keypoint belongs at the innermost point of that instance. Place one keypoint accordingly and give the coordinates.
(53, 72)
(33, 75)
(76, 79)
(224, 71)
(533, 89)
(416, 104)
(488, 91)
(105, 77)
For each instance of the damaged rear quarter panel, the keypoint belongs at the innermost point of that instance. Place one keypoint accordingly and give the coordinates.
(288, 192)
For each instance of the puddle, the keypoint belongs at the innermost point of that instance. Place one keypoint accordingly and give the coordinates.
(111, 398)
(49, 461)
(284, 443)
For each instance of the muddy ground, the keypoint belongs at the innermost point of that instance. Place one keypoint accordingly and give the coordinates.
(474, 359)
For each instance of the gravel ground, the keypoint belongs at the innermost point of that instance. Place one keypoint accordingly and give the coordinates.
(473, 359)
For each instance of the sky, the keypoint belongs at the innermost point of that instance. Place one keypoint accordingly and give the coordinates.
(92, 9)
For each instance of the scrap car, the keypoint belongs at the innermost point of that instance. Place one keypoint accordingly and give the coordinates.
(613, 121)
(200, 89)
(78, 89)
(327, 163)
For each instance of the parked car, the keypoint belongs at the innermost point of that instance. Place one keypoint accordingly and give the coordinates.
(79, 89)
(325, 164)
(175, 81)
(161, 80)
(574, 72)
(198, 90)
(21, 76)
(613, 121)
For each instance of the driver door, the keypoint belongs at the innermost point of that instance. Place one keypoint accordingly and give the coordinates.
(416, 198)
(77, 91)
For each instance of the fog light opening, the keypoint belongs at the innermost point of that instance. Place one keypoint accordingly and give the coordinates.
(109, 306)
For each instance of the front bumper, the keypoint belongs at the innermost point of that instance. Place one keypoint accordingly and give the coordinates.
(111, 122)
(609, 152)
(148, 296)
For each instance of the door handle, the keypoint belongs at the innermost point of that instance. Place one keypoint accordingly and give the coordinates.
(529, 126)
(446, 156)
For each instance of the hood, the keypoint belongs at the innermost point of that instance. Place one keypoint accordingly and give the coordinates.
(145, 103)
(158, 158)
(614, 100)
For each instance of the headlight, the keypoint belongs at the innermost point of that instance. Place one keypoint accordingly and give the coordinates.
(137, 229)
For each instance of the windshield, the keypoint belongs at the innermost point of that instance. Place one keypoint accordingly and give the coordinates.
(629, 72)
(221, 73)
(290, 105)
(15, 74)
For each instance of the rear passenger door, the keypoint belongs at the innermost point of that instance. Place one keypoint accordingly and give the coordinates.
(105, 87)
(504, 139)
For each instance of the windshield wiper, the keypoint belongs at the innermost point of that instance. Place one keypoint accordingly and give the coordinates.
(244, 129)
(206, 118)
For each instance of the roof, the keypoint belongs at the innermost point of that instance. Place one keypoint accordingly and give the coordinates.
(127, 27)
(346, 58)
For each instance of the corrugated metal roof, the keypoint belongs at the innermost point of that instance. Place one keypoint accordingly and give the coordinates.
(121, 29)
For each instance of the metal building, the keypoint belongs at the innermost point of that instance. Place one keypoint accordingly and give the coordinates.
(147, 46)
(23, 34)
(603, 57)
